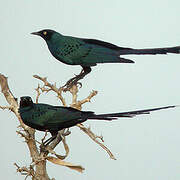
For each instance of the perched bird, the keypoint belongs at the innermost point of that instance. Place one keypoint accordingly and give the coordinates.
(45, 117)
(89, 52)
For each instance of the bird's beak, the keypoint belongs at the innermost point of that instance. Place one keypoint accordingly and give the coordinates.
(36, 33)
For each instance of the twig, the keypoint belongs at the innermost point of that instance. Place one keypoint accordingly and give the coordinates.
(74, 91)
(51, 88)
(38, 93)
(78, 104)
(88, 99)
(95, 139)
(6, 107)
(22, 135)
(25, 171)
(7, 94)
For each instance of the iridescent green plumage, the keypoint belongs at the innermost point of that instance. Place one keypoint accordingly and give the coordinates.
(77, 51)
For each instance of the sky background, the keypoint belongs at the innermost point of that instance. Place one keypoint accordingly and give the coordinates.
(146, 147)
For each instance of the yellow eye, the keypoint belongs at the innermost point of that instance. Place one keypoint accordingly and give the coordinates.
(45, 33)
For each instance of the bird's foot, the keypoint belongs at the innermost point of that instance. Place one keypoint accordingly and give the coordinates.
(43, 148)
(70, 83)
(74, 81)
(66, 132)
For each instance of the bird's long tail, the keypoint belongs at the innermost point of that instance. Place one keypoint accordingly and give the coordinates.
(153, 51)
(128, 114)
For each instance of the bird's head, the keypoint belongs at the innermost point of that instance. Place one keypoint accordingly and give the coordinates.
(46, 34)
(25, 101)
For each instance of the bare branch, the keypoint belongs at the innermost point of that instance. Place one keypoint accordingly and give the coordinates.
(22, 135)
(6, 107)
(95, 139)
(25, 171)
(74, 91)
(38, 93)
(51, 88)
(7, 94)
(78, 104)
(66, 164)
(88, 99)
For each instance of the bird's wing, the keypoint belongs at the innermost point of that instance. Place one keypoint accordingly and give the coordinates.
(46, 117)
(86, 52)
(103, 44)
(102, 52)
(37, 116)
(127, 51)
(58, 117)
(71, 50)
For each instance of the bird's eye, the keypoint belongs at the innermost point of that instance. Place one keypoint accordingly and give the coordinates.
(45, 33)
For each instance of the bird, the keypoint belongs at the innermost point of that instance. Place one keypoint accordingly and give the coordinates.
(45, 117)
(89, 52)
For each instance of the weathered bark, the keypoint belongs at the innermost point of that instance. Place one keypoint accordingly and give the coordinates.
(41, 172)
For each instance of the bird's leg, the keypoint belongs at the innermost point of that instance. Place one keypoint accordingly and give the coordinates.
(45, 143)
(69, 82)
(74, 80)
(48, 141)
(67, 132)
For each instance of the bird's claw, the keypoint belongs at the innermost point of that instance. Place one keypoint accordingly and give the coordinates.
(70, 84)
(43, 148)
(66, 133)
(80, 84)
(74, 81)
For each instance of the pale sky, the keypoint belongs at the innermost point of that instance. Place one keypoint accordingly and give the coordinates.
(146, 147)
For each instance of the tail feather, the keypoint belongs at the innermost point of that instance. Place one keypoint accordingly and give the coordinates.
(128, 114)
(154, 51)
(123, 60)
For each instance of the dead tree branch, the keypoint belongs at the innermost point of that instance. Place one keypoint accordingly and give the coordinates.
(95, 139)
(50, 87)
